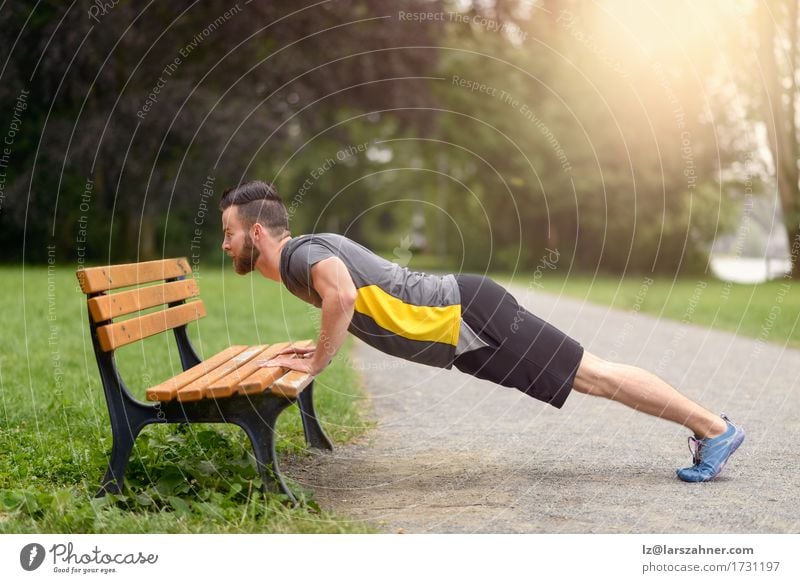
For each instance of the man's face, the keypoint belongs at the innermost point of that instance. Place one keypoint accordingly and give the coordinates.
(237, 242)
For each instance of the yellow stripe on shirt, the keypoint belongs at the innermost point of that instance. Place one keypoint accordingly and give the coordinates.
(426, 323)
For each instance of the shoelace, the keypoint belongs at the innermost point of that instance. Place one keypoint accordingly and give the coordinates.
(698, 444)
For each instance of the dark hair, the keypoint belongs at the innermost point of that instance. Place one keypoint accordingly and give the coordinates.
(258, 202)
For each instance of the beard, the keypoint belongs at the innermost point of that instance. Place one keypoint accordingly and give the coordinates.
(245, 262)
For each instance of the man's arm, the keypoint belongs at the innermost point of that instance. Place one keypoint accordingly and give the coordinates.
(334, 285)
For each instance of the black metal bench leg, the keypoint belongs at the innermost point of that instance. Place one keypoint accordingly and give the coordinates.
(315, 435)
(121, 449)
(260, 428)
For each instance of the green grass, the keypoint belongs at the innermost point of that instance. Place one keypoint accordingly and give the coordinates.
(769, 311)
(55, 435)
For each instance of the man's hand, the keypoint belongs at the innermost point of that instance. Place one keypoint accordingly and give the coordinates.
(306, 351)
(297, 363)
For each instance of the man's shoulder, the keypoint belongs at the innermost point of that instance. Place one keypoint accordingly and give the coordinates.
(332, 241)
(299, 241)
(311, 248)
(317, 238)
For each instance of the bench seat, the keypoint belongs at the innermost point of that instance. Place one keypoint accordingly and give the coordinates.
(233, 371)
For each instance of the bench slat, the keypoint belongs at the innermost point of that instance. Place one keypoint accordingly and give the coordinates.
(98, 279)
(110, 306)
(113, 336)
(291, 384)
(167, 390)
(227, 385)
(263, 378)
(195, 390)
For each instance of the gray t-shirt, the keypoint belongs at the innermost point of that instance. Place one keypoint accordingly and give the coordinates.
(412, 315)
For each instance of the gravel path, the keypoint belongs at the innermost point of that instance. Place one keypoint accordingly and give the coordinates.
(455, 454)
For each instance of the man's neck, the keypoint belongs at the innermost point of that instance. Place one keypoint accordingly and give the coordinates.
(269, 265)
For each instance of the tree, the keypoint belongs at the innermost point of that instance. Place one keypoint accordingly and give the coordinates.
(581, 143)
(145, 102)
(777, 59)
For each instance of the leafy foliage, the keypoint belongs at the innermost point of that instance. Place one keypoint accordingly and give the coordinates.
(582, 139)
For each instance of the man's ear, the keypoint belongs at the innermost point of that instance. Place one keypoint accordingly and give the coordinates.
(258, 231)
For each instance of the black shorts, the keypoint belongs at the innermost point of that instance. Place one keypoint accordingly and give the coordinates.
(524, 351)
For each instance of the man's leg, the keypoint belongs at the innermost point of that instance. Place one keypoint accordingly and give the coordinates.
(520, 343)
(644, 392)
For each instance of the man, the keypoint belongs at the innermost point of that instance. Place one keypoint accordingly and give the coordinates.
(466, 321)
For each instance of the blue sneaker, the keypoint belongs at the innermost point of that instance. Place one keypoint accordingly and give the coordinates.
(711, 454)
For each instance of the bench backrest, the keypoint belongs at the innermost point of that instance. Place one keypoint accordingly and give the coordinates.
(176, 287)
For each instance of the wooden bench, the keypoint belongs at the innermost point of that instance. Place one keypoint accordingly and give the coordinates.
(228, 387)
